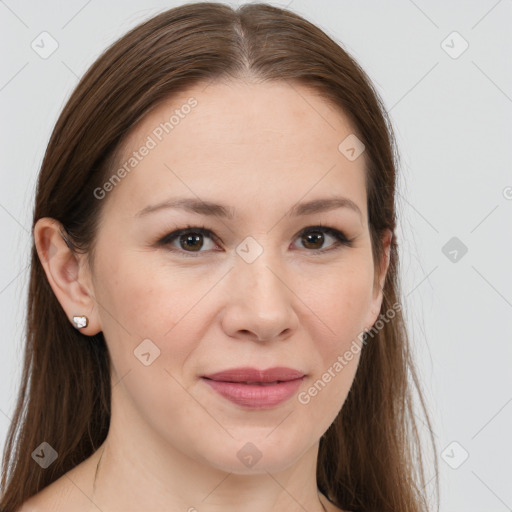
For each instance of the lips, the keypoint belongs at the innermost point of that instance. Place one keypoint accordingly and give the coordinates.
(256, 389)
(248, 375)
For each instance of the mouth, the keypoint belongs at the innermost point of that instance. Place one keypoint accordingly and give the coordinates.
(255, 383)
(254, 388)
(247, 375)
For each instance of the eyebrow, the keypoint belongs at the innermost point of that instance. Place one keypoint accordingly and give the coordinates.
(217, 210)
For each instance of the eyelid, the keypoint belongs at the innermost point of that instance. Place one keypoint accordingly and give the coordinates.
(340, 237)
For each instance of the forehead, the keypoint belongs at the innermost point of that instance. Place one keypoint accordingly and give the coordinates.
(260, 140)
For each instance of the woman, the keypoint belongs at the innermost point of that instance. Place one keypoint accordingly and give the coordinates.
(214, 319)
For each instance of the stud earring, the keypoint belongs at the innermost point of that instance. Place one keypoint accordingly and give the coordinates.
(80, 321)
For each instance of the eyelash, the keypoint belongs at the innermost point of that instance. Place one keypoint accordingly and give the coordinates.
(341, 239)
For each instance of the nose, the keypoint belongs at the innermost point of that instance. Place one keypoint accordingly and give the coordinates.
(261, 301)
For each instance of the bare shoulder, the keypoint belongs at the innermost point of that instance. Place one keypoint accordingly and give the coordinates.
(57, 497)
(69, 492)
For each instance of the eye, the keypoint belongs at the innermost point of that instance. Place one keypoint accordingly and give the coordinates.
(314, 237)
(190, 240)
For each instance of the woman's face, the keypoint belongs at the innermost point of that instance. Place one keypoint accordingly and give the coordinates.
(263, 287)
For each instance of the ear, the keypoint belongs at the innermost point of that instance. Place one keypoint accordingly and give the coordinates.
(67, 273)
(380, 278)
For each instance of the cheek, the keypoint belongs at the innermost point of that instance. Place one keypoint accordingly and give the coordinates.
(341, 300)
(341, 305)
(148, 324)
(138, 302)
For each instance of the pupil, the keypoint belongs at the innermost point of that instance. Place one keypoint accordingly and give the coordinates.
(190, 239)
(318, 236)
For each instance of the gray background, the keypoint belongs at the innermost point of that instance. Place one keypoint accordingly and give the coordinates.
(451, 111)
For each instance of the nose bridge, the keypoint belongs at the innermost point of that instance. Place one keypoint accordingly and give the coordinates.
(261, 301)
(259, 267)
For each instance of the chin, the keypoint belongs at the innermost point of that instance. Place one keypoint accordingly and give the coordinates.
(255, 451)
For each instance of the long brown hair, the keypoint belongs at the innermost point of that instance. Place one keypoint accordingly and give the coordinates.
(371, 456)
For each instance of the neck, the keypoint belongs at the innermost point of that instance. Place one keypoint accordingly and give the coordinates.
(124, 479)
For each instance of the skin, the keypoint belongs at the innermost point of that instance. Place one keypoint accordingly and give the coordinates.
(173, 441)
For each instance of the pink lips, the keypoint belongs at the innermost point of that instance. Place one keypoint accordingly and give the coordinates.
(257, 389)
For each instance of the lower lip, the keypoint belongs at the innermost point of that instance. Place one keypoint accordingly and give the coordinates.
(256, 396)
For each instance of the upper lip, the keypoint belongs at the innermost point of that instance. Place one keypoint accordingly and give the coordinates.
(247, 374)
